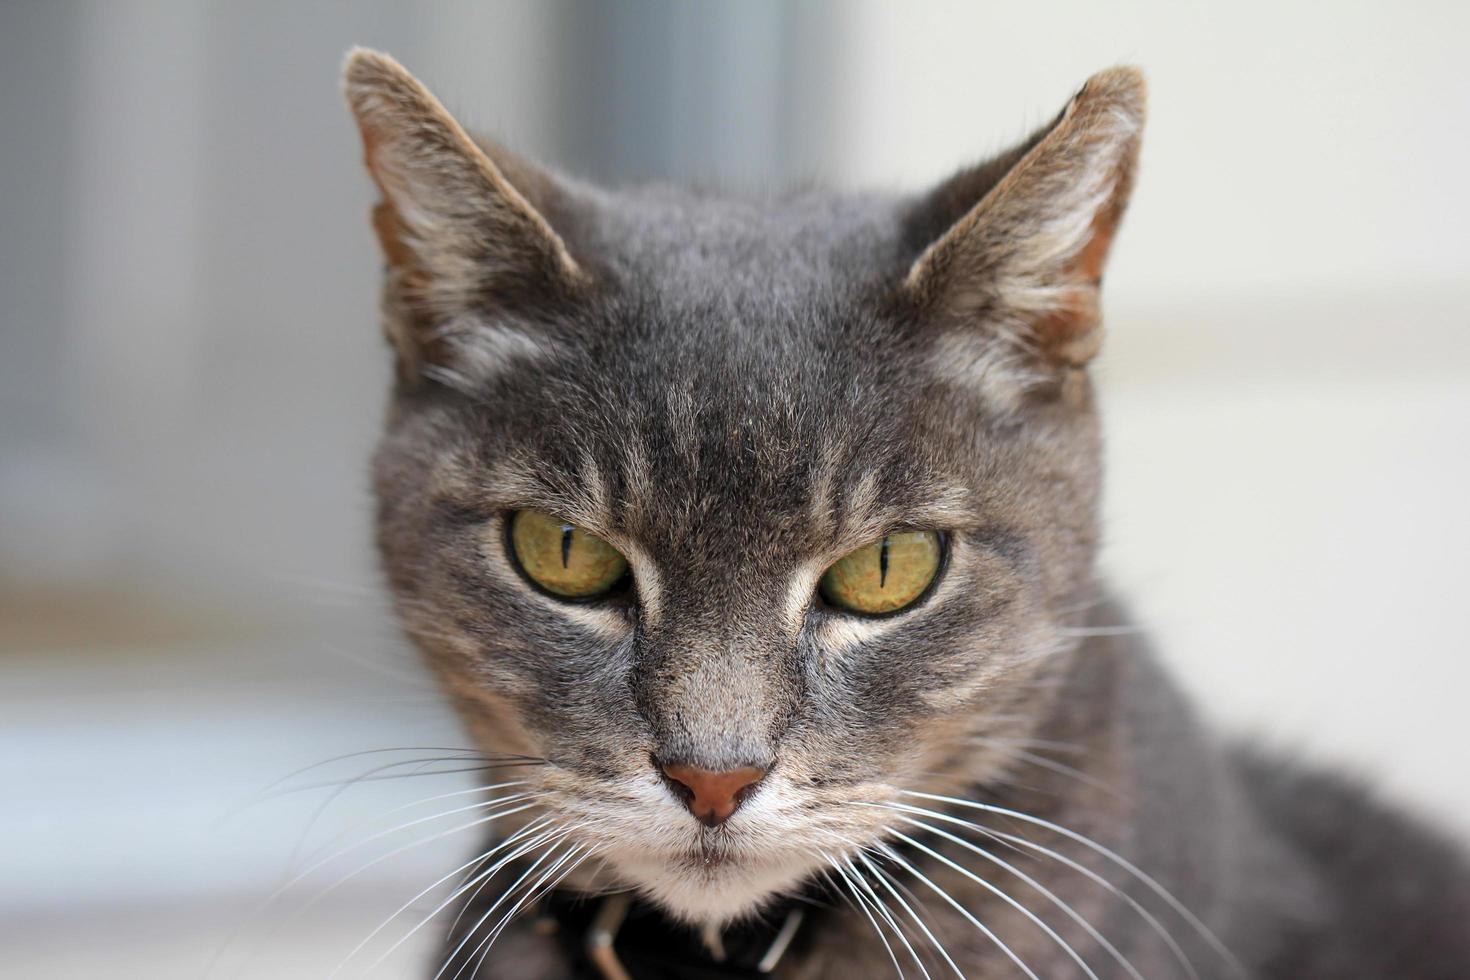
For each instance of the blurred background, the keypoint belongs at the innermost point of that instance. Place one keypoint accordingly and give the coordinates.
(191, 377)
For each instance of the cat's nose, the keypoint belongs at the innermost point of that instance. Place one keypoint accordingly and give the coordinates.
(712, 796)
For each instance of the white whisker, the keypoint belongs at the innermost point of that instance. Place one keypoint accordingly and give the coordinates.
(861, 906)
(1018, 842)
(884, 880)
(1001, 894)
(540, 887)
(544, 833)
(882, 908)
(486, 805)
(1163, 893)
(896, 858)
(1016, 750)
(469, 934)
(530, 828)
(1005, 865)
(401, 827)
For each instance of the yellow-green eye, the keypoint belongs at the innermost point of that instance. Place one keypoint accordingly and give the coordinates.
(562, 558)
(884, 576)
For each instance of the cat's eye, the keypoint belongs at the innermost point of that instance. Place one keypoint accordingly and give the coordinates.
(885, 576)
(562, 558)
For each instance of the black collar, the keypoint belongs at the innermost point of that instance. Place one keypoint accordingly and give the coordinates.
(621, 937)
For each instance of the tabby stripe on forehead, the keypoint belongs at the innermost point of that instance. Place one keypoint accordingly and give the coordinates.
(566, 543)
(883, 562)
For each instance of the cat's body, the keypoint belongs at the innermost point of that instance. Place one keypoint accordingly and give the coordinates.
(730, 396)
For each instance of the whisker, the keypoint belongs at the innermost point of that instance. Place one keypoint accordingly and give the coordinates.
(1015, 749)
(277, 788)
(478, 859)
(379, 774)
(860, 905)
(255, 915)
(1163, 893)
(541, 838)
(389, 832)
(469, 934)
(1018, 842)
(466, 753)
(1082, 632)
(554, 833)
(895, 857)
(884, 880)
(1005, 865)
(1005, 897)
(1027, 742)
(542, 886)
(886, 913)
(407, 806)
(1066, 770)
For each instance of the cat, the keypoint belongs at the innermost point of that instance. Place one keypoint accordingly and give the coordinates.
(753, 541)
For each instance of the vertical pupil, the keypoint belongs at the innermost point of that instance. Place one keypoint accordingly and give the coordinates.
(566, 544)
(883, 562)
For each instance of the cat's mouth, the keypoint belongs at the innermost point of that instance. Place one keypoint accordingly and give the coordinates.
(714, 884)
(712, 854)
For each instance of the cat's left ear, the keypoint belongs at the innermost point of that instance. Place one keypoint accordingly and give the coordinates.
(1024, 264)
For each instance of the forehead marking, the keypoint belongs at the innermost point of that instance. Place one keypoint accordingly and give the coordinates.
(863, 506)
(683, 423)
(595, 485)
(637, 474)
(824, 480)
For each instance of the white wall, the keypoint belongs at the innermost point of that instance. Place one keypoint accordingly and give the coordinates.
(1289, 143)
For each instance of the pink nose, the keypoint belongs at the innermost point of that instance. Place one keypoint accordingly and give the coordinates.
(712, 796)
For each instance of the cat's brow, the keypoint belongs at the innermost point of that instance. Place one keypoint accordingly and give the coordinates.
(868, 513)
(517, 481)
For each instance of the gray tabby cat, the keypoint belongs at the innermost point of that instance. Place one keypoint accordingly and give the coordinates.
(753, 539)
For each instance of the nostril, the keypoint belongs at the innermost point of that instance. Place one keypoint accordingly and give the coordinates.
(712, 795)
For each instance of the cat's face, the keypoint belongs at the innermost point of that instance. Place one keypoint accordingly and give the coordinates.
(731, 397)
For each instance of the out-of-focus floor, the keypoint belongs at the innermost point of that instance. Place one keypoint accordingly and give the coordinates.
(141, 754)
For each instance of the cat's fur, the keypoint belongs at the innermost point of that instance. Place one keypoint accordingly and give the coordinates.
(735, 392)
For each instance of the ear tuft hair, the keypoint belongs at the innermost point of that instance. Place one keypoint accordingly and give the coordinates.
(1026, 262)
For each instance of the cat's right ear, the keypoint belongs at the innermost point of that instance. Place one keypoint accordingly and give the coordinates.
(1011, 283)
(461, 241)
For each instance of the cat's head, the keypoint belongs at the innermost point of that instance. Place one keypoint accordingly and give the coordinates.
(741, 514)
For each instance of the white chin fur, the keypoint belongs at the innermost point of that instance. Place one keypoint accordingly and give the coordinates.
(719, 894)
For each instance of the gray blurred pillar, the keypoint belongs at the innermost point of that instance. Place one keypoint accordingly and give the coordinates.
(730, 92)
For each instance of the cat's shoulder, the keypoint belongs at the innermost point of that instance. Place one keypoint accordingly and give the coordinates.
(1399, 886)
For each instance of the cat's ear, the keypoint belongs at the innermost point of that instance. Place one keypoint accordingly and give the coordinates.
(459, 238)
(1023, 264)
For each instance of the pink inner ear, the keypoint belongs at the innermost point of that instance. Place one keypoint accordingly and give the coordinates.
(1094, 254)
(1069, 334)
(1029, 252)
(390, 231)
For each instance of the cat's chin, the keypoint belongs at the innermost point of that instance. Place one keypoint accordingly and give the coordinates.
(705, 892)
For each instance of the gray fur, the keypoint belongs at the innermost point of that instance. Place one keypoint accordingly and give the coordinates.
(735, 392)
